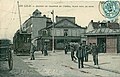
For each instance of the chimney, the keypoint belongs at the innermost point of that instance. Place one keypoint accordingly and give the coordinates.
(108, 21)
(91, 20)
(56, 18)
(98, 21)
(44, 15)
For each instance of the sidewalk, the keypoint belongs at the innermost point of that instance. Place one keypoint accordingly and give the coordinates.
(60, 65)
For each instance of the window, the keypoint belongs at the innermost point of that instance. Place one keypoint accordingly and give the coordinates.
(65, 32)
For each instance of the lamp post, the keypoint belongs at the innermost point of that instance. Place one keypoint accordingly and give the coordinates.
(53, 32)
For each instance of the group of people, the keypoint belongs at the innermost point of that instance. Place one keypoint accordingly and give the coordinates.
(82, 52)
(33, 49)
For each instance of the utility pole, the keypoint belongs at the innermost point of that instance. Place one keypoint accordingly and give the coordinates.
(19, 17)
(53, 32)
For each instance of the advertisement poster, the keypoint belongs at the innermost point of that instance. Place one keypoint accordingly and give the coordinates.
(59, 38)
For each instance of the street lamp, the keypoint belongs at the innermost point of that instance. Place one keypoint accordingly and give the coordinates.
(53, 32)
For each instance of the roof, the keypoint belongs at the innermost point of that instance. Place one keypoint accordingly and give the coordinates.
(64, 20)
(104, 28)
(5, 39)
(95, 25)
(111, 25)
(36, 12)
(104, 31)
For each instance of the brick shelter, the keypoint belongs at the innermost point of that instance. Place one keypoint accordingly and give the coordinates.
(106, 35)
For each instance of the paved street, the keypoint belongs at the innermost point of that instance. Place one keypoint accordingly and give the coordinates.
(20, 69)
(60, 65)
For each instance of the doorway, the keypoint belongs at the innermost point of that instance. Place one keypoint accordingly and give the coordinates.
(101, 43)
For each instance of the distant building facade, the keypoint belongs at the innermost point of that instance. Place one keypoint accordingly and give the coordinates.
(65, 31)
(35, 23)
(105, 34)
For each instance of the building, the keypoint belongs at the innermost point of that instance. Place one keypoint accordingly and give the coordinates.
(105, 34)
(35, 23)
(65, 31)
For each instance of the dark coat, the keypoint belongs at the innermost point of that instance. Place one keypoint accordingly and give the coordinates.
(80, 52)
(94, 50)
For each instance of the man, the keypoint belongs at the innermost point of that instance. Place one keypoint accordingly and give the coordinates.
(103, 46)
(45, 50)
(88, 51)
(72, 53)
(80, 56)
(32, 52)
(95, 54)
(90, 48)
(84, 51)
(66, 48)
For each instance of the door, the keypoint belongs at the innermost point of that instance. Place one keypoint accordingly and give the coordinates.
(101, 43)
(118, 44)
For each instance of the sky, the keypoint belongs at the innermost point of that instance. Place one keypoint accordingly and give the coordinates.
(83, 11)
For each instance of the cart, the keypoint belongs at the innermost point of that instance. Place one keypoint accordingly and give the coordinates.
(6, 52)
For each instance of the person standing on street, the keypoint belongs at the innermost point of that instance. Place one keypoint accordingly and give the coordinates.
(72, 53)
(88, 51)
(90, 48)
(84, 51)
(95, 54)
(45, 50)
(80, 56)
(66, 48)
(32, 52)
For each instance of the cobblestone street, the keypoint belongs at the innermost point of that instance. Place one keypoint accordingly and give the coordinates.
(20, 69)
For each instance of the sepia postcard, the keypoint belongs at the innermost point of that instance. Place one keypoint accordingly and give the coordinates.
(59, 38)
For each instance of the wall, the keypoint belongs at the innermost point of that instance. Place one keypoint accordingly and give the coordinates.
(72, 19)
(71, 31)
(38, 23)
(111, 44)
(91, 40)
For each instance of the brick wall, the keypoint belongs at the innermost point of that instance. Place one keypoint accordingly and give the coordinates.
(91, 40)
(111, 44)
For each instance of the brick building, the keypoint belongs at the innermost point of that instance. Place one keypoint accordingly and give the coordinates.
(105, 34)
